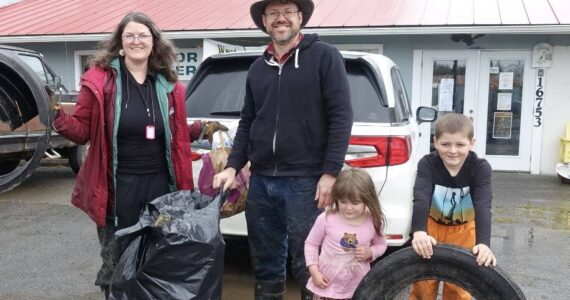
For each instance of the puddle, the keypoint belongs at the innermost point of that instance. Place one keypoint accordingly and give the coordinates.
(513, 237)
(527, 226)
(549, 217)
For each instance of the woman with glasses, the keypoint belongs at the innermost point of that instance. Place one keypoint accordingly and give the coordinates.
(131, 110)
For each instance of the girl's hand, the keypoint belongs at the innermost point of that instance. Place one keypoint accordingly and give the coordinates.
(319, 280)
(484, 255)
(363, 253)
(423, 244)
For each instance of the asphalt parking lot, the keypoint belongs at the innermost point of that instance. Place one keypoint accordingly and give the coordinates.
(49, 248)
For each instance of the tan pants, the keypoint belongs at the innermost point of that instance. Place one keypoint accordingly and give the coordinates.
(460, 235)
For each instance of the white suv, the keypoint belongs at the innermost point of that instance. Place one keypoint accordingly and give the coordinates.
(384, 133)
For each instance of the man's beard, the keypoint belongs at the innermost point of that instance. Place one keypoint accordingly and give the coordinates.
(282, 40)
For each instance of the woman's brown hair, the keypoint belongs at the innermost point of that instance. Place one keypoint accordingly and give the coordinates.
(162, 57)
(357, 186)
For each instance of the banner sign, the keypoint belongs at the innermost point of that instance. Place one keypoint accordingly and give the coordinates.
(188, 61)
(212, 47)
(190, 58)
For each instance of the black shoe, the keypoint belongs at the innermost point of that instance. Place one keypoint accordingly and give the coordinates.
(306, 294)
(269, 290)
(106, 290)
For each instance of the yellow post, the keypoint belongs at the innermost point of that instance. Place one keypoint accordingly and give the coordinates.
(565, 145)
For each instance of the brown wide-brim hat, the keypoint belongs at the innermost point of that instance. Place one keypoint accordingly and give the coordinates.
(257, 10)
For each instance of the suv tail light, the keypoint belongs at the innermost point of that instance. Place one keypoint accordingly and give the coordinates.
(378, 151)
(394, 237)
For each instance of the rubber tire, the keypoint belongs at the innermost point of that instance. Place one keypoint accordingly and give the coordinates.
(77, 156)
(12, 179)
(449, 263)
(19, 71)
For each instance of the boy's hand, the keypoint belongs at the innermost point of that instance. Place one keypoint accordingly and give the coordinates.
(363, 253)
(484, 255)
(423, 244)
(319, 280)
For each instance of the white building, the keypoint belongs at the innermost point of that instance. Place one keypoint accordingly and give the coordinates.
(506, 64)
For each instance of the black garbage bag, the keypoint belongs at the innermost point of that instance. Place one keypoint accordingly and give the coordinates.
(177, 251)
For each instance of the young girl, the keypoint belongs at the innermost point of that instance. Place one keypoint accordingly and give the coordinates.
(349, 236)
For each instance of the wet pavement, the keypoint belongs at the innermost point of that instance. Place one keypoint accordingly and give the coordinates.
(49, 250)
(531, 232)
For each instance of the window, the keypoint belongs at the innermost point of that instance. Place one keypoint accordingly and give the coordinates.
(82, 60)
(219, 90)
(367, 93)
(36, 64)
(403, 110)
(504, 112)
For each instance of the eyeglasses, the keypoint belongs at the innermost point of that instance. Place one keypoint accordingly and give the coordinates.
(142, 38)
(275, 14)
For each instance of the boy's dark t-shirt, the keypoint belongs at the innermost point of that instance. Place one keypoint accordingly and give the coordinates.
(454, 200)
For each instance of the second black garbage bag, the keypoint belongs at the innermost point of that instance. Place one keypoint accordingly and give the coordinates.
(177, 251)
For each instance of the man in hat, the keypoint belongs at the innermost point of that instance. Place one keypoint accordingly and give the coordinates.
(294, 129)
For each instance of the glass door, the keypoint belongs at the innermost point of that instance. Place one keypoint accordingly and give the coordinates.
(448, 84)
(506, 109)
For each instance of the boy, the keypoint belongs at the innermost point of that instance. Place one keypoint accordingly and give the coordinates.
(452, 201)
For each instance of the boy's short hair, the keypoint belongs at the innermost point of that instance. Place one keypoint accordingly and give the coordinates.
(453, 123)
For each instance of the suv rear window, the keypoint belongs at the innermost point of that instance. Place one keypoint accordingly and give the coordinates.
(218, 90)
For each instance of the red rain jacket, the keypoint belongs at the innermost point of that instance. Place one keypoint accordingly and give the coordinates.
(93, 121)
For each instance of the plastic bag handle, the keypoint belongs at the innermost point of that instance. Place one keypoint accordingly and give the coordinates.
(223, 194)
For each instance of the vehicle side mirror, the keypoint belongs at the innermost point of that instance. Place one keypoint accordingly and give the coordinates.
(426, 114)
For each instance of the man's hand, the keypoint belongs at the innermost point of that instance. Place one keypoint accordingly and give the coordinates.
(324, 189)
(423, 244)
(209, 127)
(319, 280)
(484, 255)
(363, 253)
(227, 177)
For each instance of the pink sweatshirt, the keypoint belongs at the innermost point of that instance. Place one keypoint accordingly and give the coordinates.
(337, 261)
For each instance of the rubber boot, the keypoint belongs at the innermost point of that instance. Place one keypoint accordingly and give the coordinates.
(269, 290)
(306, 294)
(106, 290)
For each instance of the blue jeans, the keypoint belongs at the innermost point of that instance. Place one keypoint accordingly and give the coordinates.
(280, 212)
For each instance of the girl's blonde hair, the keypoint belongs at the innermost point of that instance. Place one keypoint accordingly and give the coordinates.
(357, 186)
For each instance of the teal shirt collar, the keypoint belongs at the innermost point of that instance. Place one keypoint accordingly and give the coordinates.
(161, 81)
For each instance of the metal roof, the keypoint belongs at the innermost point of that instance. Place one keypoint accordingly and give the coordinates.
(94, 19)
